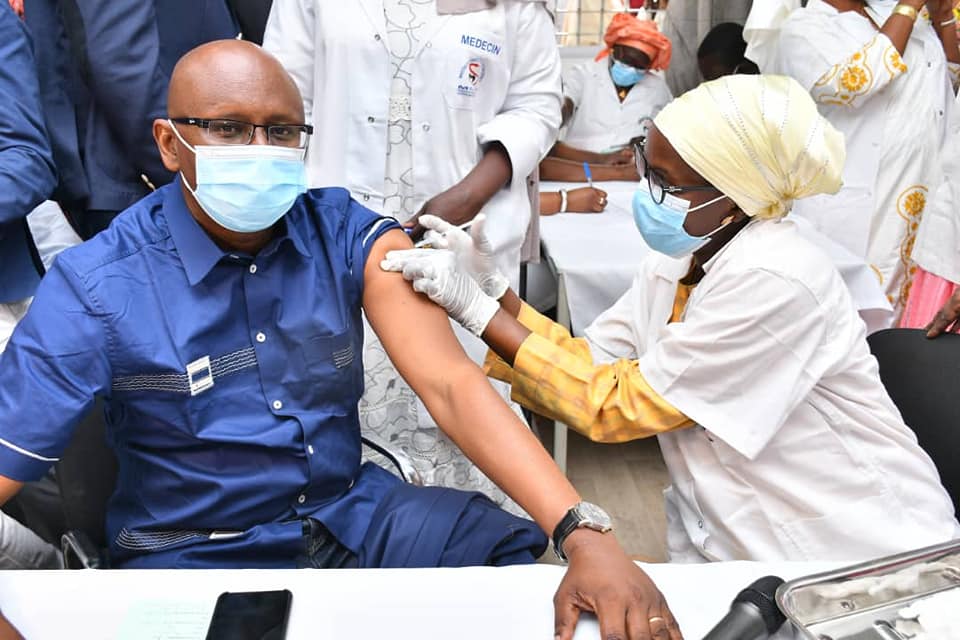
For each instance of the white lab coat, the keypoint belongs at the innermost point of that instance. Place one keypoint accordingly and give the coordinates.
(336, 52)
(600, 122)
(801, 454)
(894, 125)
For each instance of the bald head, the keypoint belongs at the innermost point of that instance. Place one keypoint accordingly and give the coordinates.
(236, 80)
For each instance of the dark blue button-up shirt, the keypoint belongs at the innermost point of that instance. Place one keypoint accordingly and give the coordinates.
(231, 382)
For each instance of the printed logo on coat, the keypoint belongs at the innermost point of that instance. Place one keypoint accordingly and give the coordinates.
(471, 75)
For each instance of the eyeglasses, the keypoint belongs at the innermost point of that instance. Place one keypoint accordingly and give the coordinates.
(236, 132)
(658, 188)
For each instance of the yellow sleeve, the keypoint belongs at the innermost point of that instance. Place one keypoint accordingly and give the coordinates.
(495, 367)
(554, 375)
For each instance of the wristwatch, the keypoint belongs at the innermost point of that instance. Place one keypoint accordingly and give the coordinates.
(582, 514)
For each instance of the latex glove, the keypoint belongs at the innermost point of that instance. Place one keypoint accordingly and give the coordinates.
(473, 250)
(437, 273)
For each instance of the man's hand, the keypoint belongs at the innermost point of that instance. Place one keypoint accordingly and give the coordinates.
(602, 579)
(940, 11)
(946, 318)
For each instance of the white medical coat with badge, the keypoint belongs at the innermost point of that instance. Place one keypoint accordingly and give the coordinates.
(600, 122)
(801, 454)
(478, 78)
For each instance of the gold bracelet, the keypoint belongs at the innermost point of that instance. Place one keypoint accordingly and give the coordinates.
(906, 11)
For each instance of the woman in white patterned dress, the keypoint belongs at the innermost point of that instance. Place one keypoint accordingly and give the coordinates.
(883, 73)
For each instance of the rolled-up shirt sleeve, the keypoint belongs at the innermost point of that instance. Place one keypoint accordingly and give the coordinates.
(528, 123)
(55, 364)
(554, 375)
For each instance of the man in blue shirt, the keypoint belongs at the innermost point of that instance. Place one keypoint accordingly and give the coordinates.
(219, 318)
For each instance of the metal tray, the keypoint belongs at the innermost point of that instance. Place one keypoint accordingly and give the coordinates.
(861, 602)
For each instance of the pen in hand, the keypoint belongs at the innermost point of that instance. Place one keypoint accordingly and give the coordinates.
(586, 171)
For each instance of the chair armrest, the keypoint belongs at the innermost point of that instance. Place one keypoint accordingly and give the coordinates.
(79, 552)
(399, 460)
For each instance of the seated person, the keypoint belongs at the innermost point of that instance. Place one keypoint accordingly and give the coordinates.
(722, 53)
(219, 319)
(738, 345)
(608, 103)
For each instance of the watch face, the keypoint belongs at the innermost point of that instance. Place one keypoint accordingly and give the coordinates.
(595, 517)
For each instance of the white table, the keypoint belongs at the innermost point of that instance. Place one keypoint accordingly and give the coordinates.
(399, 604)
(594, 258)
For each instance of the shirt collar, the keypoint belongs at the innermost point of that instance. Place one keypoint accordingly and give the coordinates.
(198, 252)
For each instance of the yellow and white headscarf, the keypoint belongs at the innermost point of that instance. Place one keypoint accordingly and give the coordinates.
(758, 139)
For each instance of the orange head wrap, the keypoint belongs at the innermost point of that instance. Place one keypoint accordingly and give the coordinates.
(625, 29)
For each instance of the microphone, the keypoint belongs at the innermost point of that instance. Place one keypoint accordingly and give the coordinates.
(754, 614)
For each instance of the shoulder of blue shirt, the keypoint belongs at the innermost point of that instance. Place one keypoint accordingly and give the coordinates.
(143, 224)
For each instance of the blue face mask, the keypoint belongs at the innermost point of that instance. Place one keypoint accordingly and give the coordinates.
(661, 225)
(623, 75)
(247, 188)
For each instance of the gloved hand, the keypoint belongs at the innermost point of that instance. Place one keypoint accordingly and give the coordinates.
(473, 251)
(437, 273)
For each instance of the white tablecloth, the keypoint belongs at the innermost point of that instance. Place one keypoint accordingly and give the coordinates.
(399, 604)
(596, 255)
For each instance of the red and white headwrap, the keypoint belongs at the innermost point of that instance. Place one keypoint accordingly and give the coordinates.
(627, 30)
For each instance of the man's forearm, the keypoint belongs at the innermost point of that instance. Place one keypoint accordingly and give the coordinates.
(492, 436)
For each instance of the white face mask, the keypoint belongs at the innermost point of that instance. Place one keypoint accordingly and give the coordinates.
(247, 187)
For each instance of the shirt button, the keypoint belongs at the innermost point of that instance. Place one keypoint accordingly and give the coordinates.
(428, 45)
(302, 499)
(277, 405)
(261, 337)
(310, 449)
(366, 197)
(253, 268)
(426, 126)
(370, 119)
(376, 37)
(700, 523)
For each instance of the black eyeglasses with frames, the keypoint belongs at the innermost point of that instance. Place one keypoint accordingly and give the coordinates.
(223, 131)
(658, 188)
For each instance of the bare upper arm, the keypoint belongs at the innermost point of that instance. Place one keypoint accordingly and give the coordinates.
(413, 329)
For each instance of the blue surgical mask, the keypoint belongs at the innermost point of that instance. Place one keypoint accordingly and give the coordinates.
(624, 75)
(246, 188)
(661, 225)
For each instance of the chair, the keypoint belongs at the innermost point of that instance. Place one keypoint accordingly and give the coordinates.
(87, 474)
(922, 377)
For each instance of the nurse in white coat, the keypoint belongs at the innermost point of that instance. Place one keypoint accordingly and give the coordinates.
(426, 106)
(747, 359)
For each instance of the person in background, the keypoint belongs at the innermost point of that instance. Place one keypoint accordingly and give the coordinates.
(252, 18)
(27, 177)
(721, 52)
(884, 74)
(459, 101)
(231, 385)
(608, 102)
(738, 345)
(104, 66)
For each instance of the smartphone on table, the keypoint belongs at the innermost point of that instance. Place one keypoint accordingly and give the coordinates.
(251, 615)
